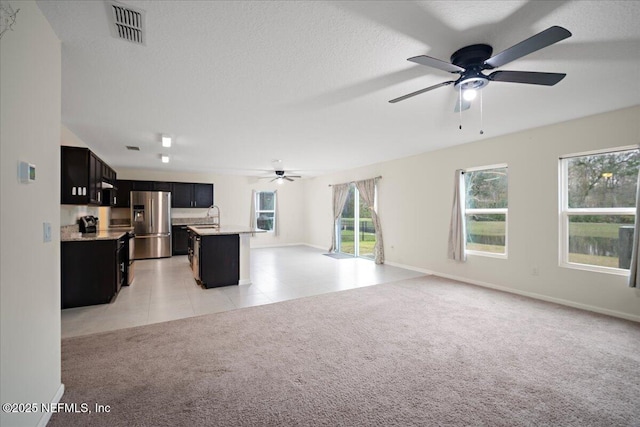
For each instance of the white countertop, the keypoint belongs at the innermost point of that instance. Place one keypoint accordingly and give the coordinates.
(108, 234)
(204, 230)
(191, 220)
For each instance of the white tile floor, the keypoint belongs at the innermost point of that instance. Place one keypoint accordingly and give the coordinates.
(164, 289)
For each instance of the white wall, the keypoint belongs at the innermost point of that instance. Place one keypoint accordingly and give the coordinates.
(415, 197)
(30, 84)
(233, 195)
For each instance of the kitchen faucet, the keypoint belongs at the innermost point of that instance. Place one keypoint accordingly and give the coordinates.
(216, 217)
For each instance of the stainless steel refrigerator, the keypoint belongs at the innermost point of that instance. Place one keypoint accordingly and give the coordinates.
(151, 220)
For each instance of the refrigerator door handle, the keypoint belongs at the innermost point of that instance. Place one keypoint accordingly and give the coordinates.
(151, 216)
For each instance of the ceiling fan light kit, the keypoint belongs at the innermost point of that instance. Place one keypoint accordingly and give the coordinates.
(470, 62)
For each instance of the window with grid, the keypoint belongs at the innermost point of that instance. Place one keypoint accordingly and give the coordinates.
(265, 210)
(597, 209)
(486, 210)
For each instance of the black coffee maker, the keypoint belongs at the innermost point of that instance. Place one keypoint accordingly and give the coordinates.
(88, 224)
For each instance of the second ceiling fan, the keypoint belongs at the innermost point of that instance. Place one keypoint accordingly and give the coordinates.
(470, 62)
(280, 173)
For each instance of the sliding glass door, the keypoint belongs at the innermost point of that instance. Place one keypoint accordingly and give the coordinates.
(354, 234)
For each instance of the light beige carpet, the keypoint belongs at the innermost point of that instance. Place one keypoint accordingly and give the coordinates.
(419, 352)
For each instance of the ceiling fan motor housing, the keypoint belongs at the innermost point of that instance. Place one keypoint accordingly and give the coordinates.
(472, 58)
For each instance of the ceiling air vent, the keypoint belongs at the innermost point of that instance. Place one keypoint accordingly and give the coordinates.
(127, 23)
(133, 148)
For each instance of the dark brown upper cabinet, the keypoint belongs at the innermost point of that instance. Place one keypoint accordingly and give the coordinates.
(82, 174)
(191, 195)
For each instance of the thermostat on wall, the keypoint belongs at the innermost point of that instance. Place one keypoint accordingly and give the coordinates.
(27, 172)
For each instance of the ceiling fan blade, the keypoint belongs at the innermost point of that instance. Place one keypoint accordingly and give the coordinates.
(543, 39)
(294, 176)
(436, 63)
(530, 77)
(465, 105)
(274, 179)
(402, 98)
(288, 179)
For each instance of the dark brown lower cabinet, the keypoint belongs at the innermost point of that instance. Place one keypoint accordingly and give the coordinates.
(180, 240)
(219, 260)
(91, 272)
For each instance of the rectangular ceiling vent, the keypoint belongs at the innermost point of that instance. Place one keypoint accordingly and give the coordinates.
(127, 23)
(133, 148)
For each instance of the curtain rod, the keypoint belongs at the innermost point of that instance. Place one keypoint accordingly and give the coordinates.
(351, 182)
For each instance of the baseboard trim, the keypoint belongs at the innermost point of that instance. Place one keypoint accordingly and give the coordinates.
(322, 248)
(410, 267)
(56, 399)
(541, 297)
(281, 245)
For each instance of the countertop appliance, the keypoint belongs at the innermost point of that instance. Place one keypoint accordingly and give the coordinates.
(151, 221)
(88, 224)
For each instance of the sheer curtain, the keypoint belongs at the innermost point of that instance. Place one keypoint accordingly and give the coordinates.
(634, 278)
(457, 233)
(340, 193)
(367, 189)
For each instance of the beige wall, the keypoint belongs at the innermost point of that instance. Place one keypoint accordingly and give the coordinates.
(415, 197)
(233, 195)
(30, 84)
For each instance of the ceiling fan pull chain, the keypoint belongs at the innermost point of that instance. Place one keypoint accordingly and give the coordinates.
(481, 116)
(460, 108)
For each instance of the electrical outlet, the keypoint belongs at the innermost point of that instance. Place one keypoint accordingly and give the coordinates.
(46, 231)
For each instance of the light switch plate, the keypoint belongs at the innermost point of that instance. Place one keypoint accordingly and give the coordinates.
(46, 231)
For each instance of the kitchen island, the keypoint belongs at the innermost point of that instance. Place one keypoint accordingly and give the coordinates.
(220, 255)
(93, 266)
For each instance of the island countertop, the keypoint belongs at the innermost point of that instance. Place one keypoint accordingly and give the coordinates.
(108, 234)
(207, 230)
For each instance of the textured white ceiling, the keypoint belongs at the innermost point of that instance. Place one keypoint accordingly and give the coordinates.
(242, 83)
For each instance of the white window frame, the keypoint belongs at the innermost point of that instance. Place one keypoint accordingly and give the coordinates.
(565, 212)
(503, 211)
(259, 211)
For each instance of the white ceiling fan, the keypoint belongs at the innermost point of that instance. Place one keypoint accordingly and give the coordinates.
(280, 173)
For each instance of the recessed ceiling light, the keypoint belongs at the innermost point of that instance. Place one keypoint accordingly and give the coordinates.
(166, 141)
(165, 158)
